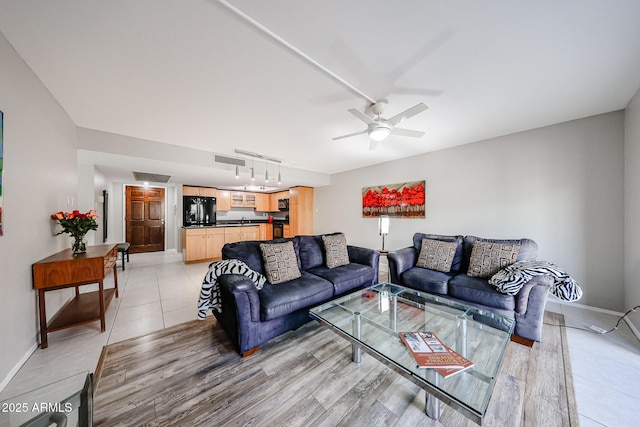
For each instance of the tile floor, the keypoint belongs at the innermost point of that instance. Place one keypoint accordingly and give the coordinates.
(158, 291)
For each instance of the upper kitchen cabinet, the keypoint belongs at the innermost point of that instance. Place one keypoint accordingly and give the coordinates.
(241, 199)
(198, 191)
(223, 201)
(263, 203)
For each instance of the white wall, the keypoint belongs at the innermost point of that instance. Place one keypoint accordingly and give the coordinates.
(632, 211)
(40, 178)
(560, 185)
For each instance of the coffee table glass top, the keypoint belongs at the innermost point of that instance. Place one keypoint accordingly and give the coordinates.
(386, 309)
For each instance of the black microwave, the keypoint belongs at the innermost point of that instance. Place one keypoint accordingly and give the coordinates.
(283, 204)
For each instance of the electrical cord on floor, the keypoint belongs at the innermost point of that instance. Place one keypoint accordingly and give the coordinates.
(598, 330)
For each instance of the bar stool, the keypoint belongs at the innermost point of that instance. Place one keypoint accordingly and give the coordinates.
(123, 249)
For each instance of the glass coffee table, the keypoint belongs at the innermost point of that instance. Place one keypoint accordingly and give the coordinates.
(371, 319)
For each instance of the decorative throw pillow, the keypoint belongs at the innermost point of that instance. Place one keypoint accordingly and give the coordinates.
(335, 247)
(280, 262)
(488, 258)
(437, 255)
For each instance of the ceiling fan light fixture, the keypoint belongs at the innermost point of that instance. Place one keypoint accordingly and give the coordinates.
(379, 133)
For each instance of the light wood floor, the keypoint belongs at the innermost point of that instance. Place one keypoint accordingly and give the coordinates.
(189, 375)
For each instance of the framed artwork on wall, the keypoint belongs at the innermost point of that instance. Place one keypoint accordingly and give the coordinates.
(1, 168)
(406, 200)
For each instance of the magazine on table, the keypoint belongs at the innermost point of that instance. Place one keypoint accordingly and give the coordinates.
(430, 352)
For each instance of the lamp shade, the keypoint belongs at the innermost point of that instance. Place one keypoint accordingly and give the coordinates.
(383, 225)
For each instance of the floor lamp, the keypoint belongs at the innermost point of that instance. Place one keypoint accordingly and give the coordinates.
(383, 228)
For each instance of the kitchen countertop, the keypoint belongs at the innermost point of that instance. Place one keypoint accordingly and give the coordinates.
(236, 224)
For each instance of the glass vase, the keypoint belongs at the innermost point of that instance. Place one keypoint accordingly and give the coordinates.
(79, 245)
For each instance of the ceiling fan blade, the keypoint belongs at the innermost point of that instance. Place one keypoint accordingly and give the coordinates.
(349, 135)
(407, 132)
(362, 116)
(399, 118)
(373, 144)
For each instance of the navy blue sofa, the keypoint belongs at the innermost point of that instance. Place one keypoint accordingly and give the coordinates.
(527, 307)
(251, 317)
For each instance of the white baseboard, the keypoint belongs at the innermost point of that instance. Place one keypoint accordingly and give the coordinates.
(16, 368)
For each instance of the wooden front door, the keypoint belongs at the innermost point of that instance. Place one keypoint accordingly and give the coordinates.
(145, 219)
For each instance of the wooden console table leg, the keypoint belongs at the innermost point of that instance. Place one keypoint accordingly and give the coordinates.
(43, 319)
(103, 323)
(115, 277)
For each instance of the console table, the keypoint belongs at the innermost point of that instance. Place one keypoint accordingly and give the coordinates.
(66, 270)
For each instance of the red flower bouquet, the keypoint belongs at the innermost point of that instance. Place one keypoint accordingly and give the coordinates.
(77, 225)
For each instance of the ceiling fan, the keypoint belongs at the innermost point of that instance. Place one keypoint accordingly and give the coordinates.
(380, 128)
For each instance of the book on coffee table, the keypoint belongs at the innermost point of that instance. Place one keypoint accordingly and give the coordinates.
(430, 352)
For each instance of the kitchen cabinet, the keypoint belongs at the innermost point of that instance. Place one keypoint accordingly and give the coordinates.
(198, 191)
(201, 244)
(250, 233)
(194, 246)
(214, 243)
(286, 231)
(240, 199)
(239, 234)
(265, 232)
(263, 203)
(232, 234)
(249, 200)
(273, 202)
(301, 210)
(223, 201)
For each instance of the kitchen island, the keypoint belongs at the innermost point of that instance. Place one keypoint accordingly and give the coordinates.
(200, 244)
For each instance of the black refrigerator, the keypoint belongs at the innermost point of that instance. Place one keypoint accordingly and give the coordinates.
(198, 211)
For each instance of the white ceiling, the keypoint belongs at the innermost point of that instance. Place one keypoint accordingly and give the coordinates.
(192, 73)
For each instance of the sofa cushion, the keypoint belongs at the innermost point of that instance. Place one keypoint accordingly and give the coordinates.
(528, 248)
(431, 281)
(335, 247)
(249, 252)
(479, 291)
(487, 258)
(437, 255)
(296, 294)
(456, 264)
(311, 251)
(346, 277)
(280, 262)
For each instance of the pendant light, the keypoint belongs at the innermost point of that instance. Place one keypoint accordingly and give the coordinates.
(237, 172)
(279, 176)
(266, 172)
(253, 175)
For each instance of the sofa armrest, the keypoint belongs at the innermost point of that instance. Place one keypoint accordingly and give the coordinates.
(530, 305)
(240, 293)
(400, 261)
(365, 256)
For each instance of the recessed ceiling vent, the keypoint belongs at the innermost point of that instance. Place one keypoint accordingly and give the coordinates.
(151, 177)
(228, 160)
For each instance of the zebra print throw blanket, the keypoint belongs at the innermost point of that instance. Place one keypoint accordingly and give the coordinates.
(512, 278)
(210, 291)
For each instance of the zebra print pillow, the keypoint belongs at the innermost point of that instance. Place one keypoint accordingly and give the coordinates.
(210, 290)
(512, 278)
